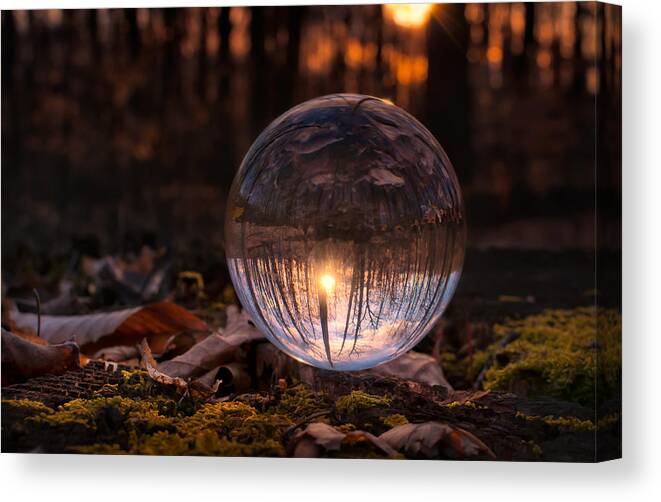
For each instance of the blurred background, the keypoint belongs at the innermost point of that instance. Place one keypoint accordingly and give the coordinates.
(124, 128)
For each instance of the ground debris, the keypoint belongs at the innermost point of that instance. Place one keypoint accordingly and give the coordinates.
(158, 322)
(436, 440)
(273, 406)
(320, 439)
(195, 388)
(23, 359)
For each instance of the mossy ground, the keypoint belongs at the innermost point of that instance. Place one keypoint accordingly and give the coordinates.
(558, 353)
(358, 400)
(138, 417)
(133, 417)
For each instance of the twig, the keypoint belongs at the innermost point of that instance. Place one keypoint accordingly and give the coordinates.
(507, 339)
(36, 296)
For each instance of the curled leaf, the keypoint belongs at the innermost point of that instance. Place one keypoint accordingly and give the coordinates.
(152, 369)
(196, 388)
(217, 349)
(436, 440)
(416, 367)
(23, 359)
(320, 438)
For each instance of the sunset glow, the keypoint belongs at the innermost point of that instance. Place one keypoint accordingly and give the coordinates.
(409, 15)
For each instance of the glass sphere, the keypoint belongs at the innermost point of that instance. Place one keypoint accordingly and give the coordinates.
(345, 232)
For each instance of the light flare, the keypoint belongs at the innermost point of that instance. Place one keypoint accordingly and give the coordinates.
(327, 282)
(409, 15)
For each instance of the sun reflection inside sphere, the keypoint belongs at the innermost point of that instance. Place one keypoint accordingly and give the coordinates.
(327, 282)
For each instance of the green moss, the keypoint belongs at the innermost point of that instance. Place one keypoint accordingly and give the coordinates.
(88, 412)
(136, 383)
(99, 449)
(463, 371)
(395, 420)
(463, 404)
(261, 426)
(535, 449)
(358, 400)
(154, 426)
(566, 423)
(27, 406)
(558, 353)
(221, 429)
(160, 443)
(107, 390)
(348, 427)
(299, 402)
(609, 353)
(228, 295)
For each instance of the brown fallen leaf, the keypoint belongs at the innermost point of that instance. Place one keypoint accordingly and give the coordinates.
(30, 336)
(151, 366)
(319, 438)
(23, 359)
(195, 388)
(217, 349)
(157, 322)
(181, 343)
(118, 353)
(416, 367)
(436, 440)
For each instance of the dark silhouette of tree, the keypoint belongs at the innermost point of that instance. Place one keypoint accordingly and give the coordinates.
(224, 30)
(202, 66)
(259, 68)
(295, 19)
(93, 29)
(173, 18)
(529, 32)
(578, 83)
(8, 47)
(378, 22)
(134, 31)
(448, 89)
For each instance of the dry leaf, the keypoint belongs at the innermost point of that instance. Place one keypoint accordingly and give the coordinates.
(152, 369)
(215, 350)
(158, 322)
(196, 388)
(23, 359)
(436, 440)
(319, 438)
(118, 353)
(416, 367)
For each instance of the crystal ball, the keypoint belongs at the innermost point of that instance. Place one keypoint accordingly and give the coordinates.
(345, 232)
